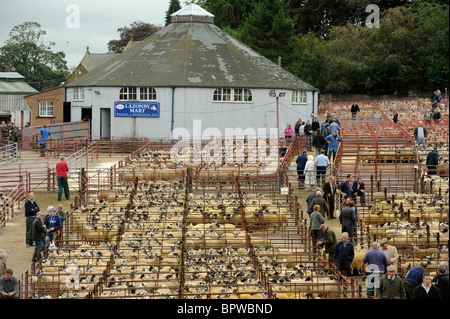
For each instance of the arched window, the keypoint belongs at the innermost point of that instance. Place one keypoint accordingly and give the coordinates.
(130, 93)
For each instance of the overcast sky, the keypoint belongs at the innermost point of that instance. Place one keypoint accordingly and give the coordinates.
(96, 24)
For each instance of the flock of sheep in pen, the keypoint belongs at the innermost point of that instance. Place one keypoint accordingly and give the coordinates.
(153, 237)
(227, 234)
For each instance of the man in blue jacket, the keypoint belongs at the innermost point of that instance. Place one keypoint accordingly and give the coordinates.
(413, 278)
(44, 133)
(301, 162)
(333, 144)
(52, 225)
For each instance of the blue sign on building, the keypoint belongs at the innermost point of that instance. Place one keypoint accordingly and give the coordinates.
(136, 109)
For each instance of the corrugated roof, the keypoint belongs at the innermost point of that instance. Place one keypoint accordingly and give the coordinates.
(11, 75)
(191, 54)
(15, 87)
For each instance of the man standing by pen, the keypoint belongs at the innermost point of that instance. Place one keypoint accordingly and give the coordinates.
(61, 170)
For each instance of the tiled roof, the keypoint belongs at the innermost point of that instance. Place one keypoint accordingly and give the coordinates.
(191, 54)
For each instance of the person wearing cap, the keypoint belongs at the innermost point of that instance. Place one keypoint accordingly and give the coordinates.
(328, 240)
(391, 285)
(426, 290)
(441, 280)
(390, 251)
(432, 161)
(344, 253)
(61, 213)
(52, 225)
(37, 234)
(413, 278)
(358, 189)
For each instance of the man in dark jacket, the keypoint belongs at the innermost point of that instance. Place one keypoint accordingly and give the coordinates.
(441, 280)
(301, 162)
(31, 208)
(318, 142)
(315, 125)
(344, 253)
(358, 189)
(297, 127)
(426, 290)
(432, 161)
(308, 134)
(354, 109)
(347, 219)
(329, 192)
(37, 234)
(345, 187)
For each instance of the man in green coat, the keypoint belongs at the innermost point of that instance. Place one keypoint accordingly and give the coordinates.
(432, 161)
(391, 285)
(329, 241)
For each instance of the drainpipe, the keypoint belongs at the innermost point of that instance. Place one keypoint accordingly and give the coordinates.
(171, 125)
(313, 95)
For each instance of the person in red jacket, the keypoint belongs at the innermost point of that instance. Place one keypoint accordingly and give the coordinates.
(61, 172)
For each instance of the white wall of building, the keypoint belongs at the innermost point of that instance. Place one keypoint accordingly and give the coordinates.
(193, 104)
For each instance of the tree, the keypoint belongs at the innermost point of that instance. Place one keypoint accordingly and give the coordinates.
(174, 6)
(269, 30)
(26, 53)
(229, 14)
(138, 30)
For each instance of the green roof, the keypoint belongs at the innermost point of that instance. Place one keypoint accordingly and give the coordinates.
(191, 54)
(16, 87)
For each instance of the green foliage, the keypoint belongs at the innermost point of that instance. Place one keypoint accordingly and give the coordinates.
(26, 53)
(229, 14)
(327, 43)
(269, 30)
(174, 6)
(408, 51)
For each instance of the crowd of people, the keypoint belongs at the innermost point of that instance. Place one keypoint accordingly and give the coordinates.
(10, 133)
(41, 230)
(381, 262)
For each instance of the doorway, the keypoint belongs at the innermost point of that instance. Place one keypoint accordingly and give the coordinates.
(105, 123)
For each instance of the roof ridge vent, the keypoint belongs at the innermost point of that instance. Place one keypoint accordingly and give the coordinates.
(192, 13)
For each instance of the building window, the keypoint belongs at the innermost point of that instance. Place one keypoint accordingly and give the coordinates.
(222, 95)
(239, 95)
(130, 93)
(45, 109)
(78, 94)
(147, 94)
(299, 97)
